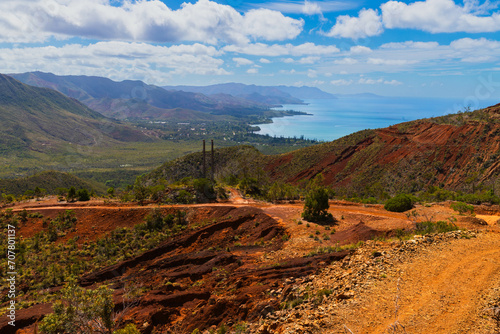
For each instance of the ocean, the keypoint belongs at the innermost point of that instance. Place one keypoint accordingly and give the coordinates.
(331, 119)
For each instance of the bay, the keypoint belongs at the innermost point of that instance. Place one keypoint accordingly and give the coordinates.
(331, 119)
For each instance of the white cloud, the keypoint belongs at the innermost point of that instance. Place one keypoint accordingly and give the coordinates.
(242, 61)
(345, 61)
(480, 59)
(265, 61)
(253, 71)
(359, 50)
(309, 60)
(341, 82)
(276, 50)
(393, 82)
(365, 81)
(391, 62)
(311, 8)
(307, 7)
(439, 16)
(474, 44)
(270, 25)
(146, 20)
(410, 45)
(312, 73)
(309, 84)
(116, 60)
(367, 24)
(288, 60)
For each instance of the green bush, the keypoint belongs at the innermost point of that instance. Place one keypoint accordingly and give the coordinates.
(462, 208)
(399, 203)
(71, 196)
(184, 197)
(316, 205)
(83, 195)
(205, 187)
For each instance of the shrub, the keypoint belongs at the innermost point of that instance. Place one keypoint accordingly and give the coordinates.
(70, 197)
(81, 311)
(316, 202)
(399, 203)
(83, 195)
(184, 197)
(205, 187)
(249, 186)
(462, 208)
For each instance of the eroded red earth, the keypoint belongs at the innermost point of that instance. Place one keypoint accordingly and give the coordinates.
(222, 271)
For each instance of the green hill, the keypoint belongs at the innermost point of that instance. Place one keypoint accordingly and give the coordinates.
(41, 119)
(43, 129)
(134, 100)
(49, 180)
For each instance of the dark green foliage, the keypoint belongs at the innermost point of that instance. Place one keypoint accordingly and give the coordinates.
(399, 203)
(184, 197)
(156, 221)
(83, 195)
(71, 196)
(205, 188)
(249, 186)
(316, 202)
(39, 192)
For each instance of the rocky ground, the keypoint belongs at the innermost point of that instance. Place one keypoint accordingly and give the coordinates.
(257, 268)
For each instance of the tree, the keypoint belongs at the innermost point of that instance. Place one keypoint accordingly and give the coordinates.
(71, 195)
(316, 202)
(39, 192)
(83, 195)
(399, 203)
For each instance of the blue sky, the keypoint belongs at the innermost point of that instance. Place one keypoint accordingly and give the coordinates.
(432, 48)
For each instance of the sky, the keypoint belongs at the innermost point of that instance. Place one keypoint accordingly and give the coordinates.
(431, 48)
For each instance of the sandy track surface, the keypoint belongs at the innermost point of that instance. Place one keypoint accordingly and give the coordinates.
(439, 290)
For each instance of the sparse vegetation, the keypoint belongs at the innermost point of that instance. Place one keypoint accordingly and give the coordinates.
(462, 208)
(437, 227)
(82, 311)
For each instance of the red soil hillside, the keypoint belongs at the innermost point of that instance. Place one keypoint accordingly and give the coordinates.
(455, 151)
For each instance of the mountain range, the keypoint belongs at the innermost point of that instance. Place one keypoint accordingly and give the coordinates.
(268, 94)
(136, 100)
(41, 119)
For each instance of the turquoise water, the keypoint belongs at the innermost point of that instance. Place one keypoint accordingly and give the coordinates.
(332, 119)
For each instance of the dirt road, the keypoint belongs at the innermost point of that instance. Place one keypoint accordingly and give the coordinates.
(442, 289)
